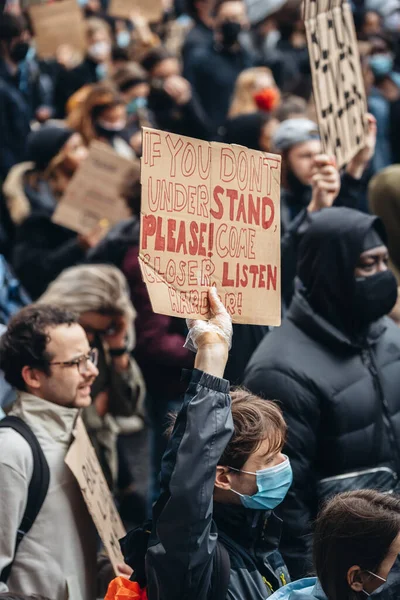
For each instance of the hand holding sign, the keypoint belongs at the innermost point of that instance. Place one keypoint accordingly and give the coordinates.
(359, 163)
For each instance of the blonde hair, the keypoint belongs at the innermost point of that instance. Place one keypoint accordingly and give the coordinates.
(97, 288)
(100, 97)
(243, 102)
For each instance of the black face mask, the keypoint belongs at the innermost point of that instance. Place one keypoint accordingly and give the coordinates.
(374, 297)
(230, 32)
(19, 51)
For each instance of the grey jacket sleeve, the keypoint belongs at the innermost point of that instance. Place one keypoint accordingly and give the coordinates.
(179, 560)
(16, 466)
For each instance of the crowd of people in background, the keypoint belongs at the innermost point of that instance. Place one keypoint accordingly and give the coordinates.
(78, 333)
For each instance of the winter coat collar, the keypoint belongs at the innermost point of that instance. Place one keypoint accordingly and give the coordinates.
(318, 328)
(251, 529)
(57, 421)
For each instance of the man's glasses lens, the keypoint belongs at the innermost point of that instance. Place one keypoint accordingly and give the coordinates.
(92, 356)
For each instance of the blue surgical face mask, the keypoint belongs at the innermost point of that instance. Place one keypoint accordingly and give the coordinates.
(136, 104)
(381, 64)
(273, 484)
(123, 38)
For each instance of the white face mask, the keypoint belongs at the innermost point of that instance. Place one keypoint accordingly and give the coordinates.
(114, 127)
(99, 51)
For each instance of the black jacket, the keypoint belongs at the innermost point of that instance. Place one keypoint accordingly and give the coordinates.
(42, 250)
(14, 121)
(339, 391)
(181, 555)
(70, 81)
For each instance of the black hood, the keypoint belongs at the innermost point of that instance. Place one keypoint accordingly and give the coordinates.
(328, 255)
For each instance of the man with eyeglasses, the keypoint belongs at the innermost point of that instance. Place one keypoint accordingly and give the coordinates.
(46, 356)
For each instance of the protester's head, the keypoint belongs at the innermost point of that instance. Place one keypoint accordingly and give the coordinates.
(381, 58)
(46, 352)
(99, 40)
(291, 107)
(101, 115)
(98, 294)
(255, 89)
(252, 462)
(299, 143)
(230, 20)
(132, 190)
(13, 43)
(132, 83)
(342, 263)
(161, 64)
(201, 11)
(384, 201)
(356, 542)
(56, 151)
(253, 131)
(367, 22)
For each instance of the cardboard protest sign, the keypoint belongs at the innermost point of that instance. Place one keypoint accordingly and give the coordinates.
(56, 24)
(210, 215)
(93, 195)
(82, 460)
(337, 79)
(152, 10)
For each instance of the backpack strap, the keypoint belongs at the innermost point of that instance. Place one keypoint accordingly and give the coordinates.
(221, 573)
(38, 485)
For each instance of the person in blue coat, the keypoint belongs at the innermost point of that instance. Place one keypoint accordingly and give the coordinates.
(356, 545)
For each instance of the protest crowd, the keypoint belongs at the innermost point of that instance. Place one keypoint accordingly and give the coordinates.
(148, 456)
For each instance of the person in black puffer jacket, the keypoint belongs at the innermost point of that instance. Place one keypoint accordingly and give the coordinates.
(334, 365)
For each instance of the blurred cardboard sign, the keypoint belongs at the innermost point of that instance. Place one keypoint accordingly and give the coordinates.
(152, 10)
(210, 215)
(82, 460)
(93, 195)
(337, 79)
(56, 24)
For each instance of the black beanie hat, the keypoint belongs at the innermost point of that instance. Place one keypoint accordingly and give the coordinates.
(45, 143)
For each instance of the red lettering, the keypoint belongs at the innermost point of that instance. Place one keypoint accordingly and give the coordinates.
(272, 276)
(193, 244)
(261, 280)
(218, 214)
(226, 282)
(267, 204)
(202, 234)
(245, 280)
(254, 271)
(232, 195)
(181, 241)
(148, 229)
(159, 243)
(171, 242)
(174, 151)
(241, 213)
(254, 211)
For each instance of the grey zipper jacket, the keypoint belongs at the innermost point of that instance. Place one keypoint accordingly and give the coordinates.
(186, 524)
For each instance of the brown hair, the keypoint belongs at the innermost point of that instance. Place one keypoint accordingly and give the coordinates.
(354, 528)
(94, 24)
(100, 97)
(254, 420)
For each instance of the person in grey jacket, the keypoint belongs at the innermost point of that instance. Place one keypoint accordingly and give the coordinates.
(222, 475)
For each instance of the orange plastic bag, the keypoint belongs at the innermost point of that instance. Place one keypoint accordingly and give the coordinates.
(123, 589)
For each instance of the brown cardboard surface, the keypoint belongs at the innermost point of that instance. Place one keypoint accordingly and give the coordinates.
(56, 24)
(82, 460)
(337, 79)
(93, 194)
(152, 10)
(210, 215)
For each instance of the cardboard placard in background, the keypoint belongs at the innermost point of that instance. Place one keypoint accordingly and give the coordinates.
(94, 192)
(56, 24)
(337, 79)
(152, 10)
(210, 214)
(82, 460)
